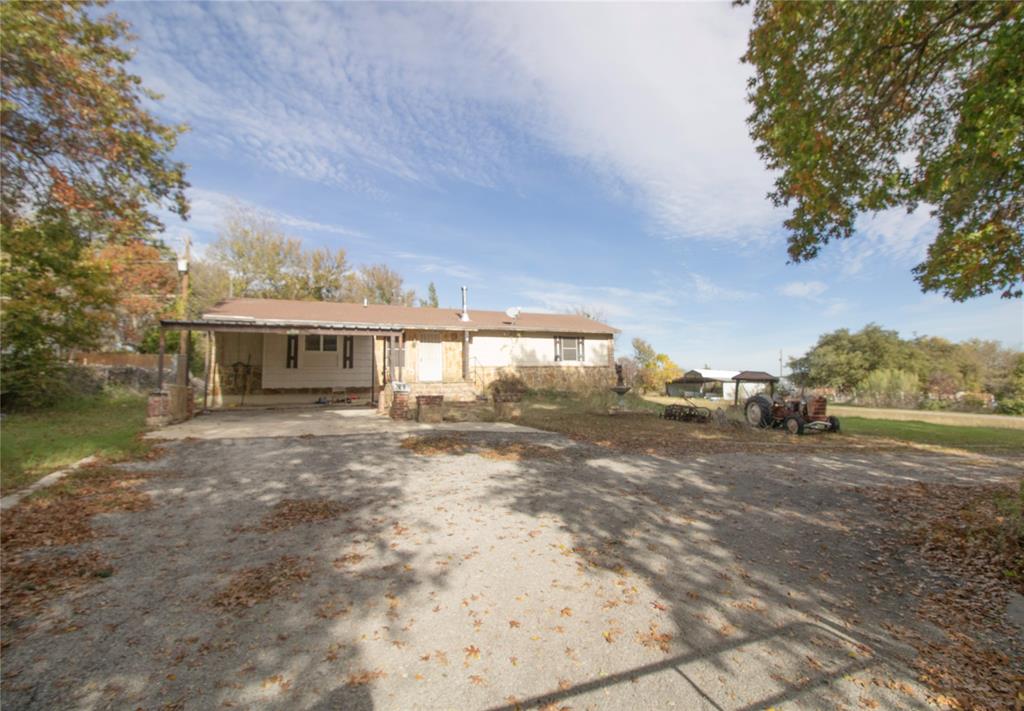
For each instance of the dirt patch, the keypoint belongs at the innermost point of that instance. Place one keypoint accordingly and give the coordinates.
(255, 585)
(294, 512)
(501, 450)
(972, 537)
(645, 433)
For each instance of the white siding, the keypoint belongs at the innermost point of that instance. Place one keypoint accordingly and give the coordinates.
(510, 350)
(239, 347)
(597, 351)
(316, 369)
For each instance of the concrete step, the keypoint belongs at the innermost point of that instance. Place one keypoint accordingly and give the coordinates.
(452, 392)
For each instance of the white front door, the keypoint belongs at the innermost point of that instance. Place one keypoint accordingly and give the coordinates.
(429, 360)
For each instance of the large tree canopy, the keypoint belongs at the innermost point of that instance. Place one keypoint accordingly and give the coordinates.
(76, 135)
(863, 107)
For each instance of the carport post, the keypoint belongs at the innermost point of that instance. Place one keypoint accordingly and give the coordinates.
(401, 347)
(392, 347)
(207, 370)
(160, 362)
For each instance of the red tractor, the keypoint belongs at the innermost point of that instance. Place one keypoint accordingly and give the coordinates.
(795, 416)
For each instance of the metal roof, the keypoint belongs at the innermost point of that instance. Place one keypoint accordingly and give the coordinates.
(387, 316)
(756, 376)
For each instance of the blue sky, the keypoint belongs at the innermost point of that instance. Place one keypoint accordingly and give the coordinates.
(546, 156)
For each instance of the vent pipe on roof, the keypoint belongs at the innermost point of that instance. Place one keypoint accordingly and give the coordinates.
(465, 304)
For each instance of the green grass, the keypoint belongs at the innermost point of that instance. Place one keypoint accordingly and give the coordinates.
(954, 436)
(33, 444)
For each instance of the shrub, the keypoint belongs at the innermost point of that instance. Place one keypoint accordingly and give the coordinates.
(932, 404)
(974, 402)
(507, 386)
(1010, 407)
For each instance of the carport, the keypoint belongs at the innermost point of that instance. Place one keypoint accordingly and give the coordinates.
(379, 355)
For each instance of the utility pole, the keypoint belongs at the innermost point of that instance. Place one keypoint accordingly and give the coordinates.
(780, 363)
(183, 335)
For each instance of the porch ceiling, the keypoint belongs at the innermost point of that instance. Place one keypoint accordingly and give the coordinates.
(247, 326)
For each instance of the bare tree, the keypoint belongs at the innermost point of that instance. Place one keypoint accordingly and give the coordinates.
(379, 284)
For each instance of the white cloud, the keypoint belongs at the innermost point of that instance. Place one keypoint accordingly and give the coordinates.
(429, 264)
(892, 235)
(649, 97)
(209, 208)
(706, 291)
(803, 289)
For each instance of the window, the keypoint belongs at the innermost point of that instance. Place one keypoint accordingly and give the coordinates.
(569, 349)
(321, 343)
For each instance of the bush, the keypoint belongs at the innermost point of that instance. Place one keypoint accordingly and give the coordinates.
(974, 402)
(507, 386)
(43, 381)
(931, 404)
(889, 388)
(1010, 407)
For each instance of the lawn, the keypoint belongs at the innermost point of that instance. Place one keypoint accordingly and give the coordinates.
(34, 444)
(954, 436)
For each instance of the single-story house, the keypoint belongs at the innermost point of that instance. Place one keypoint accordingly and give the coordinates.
(267, 351)
(712, 385)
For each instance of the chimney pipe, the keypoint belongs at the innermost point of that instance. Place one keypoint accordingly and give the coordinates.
(465, 307)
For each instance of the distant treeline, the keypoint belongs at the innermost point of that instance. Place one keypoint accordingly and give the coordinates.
(875, 366)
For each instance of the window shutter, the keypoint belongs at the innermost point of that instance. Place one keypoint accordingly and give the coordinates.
(579, 349)
(558, 349)
(348, 351)
(292, 354)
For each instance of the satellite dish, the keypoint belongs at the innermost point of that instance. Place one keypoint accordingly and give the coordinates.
(513, 312)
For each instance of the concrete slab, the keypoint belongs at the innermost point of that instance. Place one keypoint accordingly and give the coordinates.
(318, 422)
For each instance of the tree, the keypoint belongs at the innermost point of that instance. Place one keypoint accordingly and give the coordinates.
(261, 262)
(841, 360)
(863, 107)
(209, 282)
(379, 284)
(643, 352)
(594, 313)
(75, 134)
(844, 361)
(657, 371)
(83, 164)
(145, 281)
(55, 299)
(888, 387)
(431, 299)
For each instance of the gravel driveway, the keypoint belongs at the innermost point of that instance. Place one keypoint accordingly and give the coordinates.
(528, 571)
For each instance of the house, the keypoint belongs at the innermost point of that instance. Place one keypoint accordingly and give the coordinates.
(714, 385)
(268, 351)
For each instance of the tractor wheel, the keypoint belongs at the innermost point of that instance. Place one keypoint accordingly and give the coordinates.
(794, 425)
(833, 423)
(758, 411)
